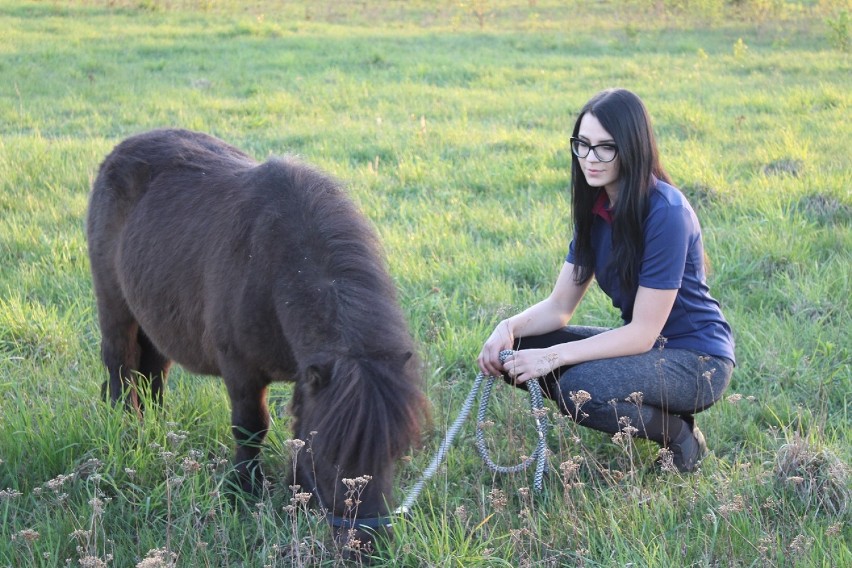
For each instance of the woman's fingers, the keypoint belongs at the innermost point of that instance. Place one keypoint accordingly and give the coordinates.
(529, 364)
(489, 361)
(515, 369)
(489, 358)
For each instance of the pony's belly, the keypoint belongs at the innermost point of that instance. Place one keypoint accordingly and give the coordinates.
(283, 376)
(173, 340)
(170, 310)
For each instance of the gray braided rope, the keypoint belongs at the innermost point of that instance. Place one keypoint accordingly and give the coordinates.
(541, 425)
(539, 455)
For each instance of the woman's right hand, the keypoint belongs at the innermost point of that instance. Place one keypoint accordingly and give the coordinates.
(489, 358)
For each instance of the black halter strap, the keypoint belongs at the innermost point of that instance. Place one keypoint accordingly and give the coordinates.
(372, 523)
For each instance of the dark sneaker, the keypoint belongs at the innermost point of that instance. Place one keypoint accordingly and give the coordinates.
(689, 448)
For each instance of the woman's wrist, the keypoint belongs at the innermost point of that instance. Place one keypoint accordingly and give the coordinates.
(564, 356)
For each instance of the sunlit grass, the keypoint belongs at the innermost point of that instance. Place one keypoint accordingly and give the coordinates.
(447, 121)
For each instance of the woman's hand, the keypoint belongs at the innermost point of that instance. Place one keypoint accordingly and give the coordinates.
(528, 364)
(489, 358)
(548, 315)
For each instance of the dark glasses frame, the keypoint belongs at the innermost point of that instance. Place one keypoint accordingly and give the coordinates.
(577, 144)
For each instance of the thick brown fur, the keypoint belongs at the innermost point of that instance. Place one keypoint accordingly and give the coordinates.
(256, 272)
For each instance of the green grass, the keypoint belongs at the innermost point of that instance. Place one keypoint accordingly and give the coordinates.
(448, 121)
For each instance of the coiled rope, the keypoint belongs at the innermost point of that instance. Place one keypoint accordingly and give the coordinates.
(539, 455)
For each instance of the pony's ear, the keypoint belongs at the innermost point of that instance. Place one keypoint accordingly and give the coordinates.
(396, 358)
(315, 378)
(401, 360)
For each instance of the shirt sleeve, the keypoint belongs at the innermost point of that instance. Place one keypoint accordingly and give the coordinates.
(668, 233)
(570, 256)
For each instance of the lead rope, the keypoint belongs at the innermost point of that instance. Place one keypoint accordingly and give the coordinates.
(541, 425)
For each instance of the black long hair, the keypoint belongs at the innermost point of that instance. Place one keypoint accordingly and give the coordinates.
(624, 116)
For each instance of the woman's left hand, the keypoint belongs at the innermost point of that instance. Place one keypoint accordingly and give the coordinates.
(528, 364)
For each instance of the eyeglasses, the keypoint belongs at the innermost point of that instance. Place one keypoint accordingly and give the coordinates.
(603, 152)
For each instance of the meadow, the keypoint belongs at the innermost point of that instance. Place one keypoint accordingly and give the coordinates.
(448, 122)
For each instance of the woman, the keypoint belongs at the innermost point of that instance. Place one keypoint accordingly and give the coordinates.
(640, 239)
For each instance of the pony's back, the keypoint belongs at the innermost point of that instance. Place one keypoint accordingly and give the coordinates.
(134, 161)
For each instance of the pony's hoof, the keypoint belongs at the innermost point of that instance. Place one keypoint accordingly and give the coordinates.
(251, 481)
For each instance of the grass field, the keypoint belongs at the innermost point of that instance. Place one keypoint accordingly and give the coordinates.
(448, 121)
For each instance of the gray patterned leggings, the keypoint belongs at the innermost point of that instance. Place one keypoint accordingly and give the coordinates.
(673, 383)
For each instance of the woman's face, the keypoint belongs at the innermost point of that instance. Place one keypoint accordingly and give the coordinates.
(598, 173)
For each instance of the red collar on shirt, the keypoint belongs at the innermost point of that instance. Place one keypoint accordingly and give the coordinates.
(599, 208)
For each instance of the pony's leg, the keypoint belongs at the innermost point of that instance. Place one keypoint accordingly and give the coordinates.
(120, 354)
(153, 366)
(249, 423)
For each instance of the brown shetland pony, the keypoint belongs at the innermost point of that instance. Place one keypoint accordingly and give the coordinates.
(256, 273)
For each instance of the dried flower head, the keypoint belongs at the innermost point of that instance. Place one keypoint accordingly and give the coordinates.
(175, 438)
(190, 465)
(302, 498)
(666, 458)
(801, 544)
(27, 535)
(158, 558)
(97, 505)
(539, 413)
(498, 499)
(736, 505)
(81, 535)
(9, 494)
(579, 398)
(58, 482)
(295, 446)
(569, 468)
(461, 513)
(635, 397)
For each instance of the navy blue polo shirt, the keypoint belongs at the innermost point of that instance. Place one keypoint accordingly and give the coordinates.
(673, 258)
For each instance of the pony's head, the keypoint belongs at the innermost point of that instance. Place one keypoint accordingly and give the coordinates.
(357, 415)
